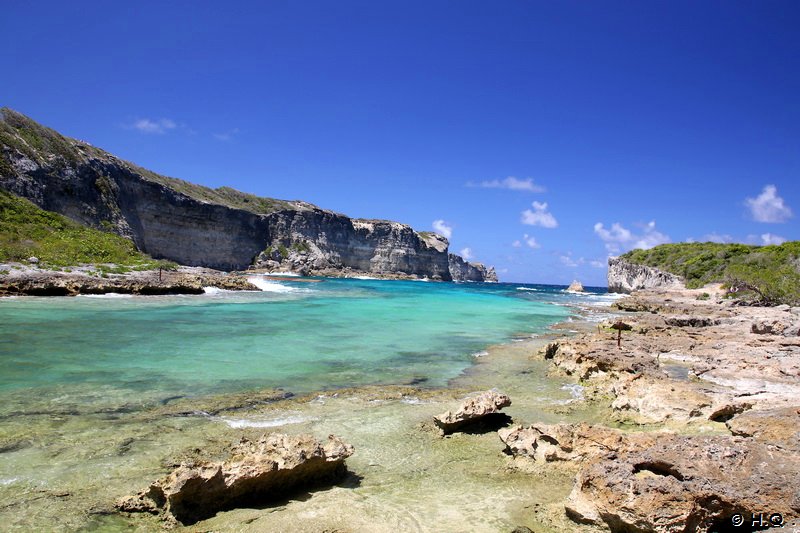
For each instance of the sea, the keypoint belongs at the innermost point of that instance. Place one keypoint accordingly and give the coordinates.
(292, 334)
(101, 395)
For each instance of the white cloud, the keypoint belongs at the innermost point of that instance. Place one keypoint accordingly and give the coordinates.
(226, 136)
(510, 183)
(568, 261)
(531, 241)
(597, 264)
(466, 253)
(159, 126)
(528, 241)
(716, 237)
(768, 206)
(443, 228)
(769, 238)
(539, 216)
(617, 237)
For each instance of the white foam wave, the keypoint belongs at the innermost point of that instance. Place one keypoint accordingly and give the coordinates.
(420, 279)
(239, 423)
(214, 290)
(285, 274)
(269, 286)
(575, 390)
(107, 295)
(366, 278)
(413, 400)
(482, 353)
(8, 480)
(527, 289)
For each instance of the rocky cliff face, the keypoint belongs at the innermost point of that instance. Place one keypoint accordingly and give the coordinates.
(317, 241)
(627, 277)
(461, 270)
(218, 228)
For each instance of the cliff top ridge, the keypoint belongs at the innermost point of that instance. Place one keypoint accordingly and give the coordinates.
(45, 145)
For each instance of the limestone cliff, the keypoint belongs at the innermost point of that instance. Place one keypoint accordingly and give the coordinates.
(198, 226)
(316, 241)
(626, 277)
(461, 270)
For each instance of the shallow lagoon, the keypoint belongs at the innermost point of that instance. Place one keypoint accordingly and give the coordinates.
(101, 395)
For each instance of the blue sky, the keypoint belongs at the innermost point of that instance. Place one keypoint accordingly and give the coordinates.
(545, 135)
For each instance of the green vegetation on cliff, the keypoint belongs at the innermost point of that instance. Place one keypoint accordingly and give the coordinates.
(771, 274)
(26, 230)
(39, 143)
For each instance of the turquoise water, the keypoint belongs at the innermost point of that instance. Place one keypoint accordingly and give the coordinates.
(100, 395)
(297, 336)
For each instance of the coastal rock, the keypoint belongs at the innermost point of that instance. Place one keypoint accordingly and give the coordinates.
(270, 468)
(472, 410)
(645, 400)
(690, 321)
(48, 283)
(775, 327)
(569, 442)
(315, 241)
(575, 286)
(628, 277)
(686, 484)
(461, 270)
(218, 228)
(601, 360)
(776, 426)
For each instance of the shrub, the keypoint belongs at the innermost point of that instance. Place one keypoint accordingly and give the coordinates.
(26, 230)
(768, 286)
(765, 274)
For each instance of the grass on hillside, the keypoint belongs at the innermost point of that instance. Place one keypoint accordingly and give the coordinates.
(26, 231)
(771, 273)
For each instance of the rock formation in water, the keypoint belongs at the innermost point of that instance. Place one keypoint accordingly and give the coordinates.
(476, 409)
(258, 472)
(218, 228)
(575, 286)
(627, 277)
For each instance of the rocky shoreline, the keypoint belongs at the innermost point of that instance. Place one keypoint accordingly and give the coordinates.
(30, 281)
(691, 423)
(25, 280)
(691, 365)
(702, 404)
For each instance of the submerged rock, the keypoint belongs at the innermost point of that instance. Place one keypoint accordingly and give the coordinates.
(271, 468)
(472, 410)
